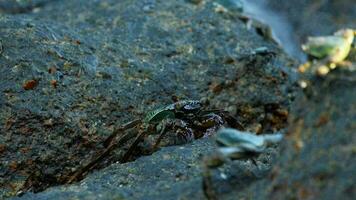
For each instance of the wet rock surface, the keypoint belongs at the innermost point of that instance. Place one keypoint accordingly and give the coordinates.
(22, 6)
(171, 173)
(73, 70)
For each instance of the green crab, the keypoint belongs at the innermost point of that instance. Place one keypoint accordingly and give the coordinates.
(328, 50)
(186, 120)
(160, 116)
(234, 144)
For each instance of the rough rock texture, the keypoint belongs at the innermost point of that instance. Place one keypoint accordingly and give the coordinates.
(318, 159)
(172, 173)
(21, 6)
(71, 70)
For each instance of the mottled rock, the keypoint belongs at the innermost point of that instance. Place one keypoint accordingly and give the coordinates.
(22, 6)
(111, 62)
(172, 173)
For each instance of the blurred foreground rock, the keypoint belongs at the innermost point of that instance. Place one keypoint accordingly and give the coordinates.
(315, 18)
(318, 159)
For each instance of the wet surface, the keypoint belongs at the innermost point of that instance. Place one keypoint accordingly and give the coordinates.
(73, 73)
(78, 69)
(282, 29)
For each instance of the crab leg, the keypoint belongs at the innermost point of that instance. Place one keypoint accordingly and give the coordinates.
(161, 134)
(208, 187)
(111, 146)
(232, 121)
(210, 163)
(138, 139)
(124, 127)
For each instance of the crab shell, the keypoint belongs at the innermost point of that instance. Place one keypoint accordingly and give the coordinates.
(158, 115)
(170, 111)
(186, 106)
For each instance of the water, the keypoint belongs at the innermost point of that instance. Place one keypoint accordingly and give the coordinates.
(282, 31)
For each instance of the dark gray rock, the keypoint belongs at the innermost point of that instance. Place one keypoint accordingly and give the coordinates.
(172, 173)
(22, 6)
(74, 69)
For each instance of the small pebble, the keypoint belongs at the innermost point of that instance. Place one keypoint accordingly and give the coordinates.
(218, 8)
(303, 84)
(30, 84)
(223, 176)
(322, 70)
(54, 83)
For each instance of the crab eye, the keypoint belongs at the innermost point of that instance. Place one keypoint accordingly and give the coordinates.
(192, 106)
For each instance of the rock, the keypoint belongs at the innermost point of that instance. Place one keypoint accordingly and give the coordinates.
(112, 62)
(172, 173)
(22, 6)
(318, 159)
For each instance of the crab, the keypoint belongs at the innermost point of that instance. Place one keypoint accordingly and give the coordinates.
(234, 144)
(187, 120)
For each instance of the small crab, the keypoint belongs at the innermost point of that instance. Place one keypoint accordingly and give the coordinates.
(234, 144)
(187, 120)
